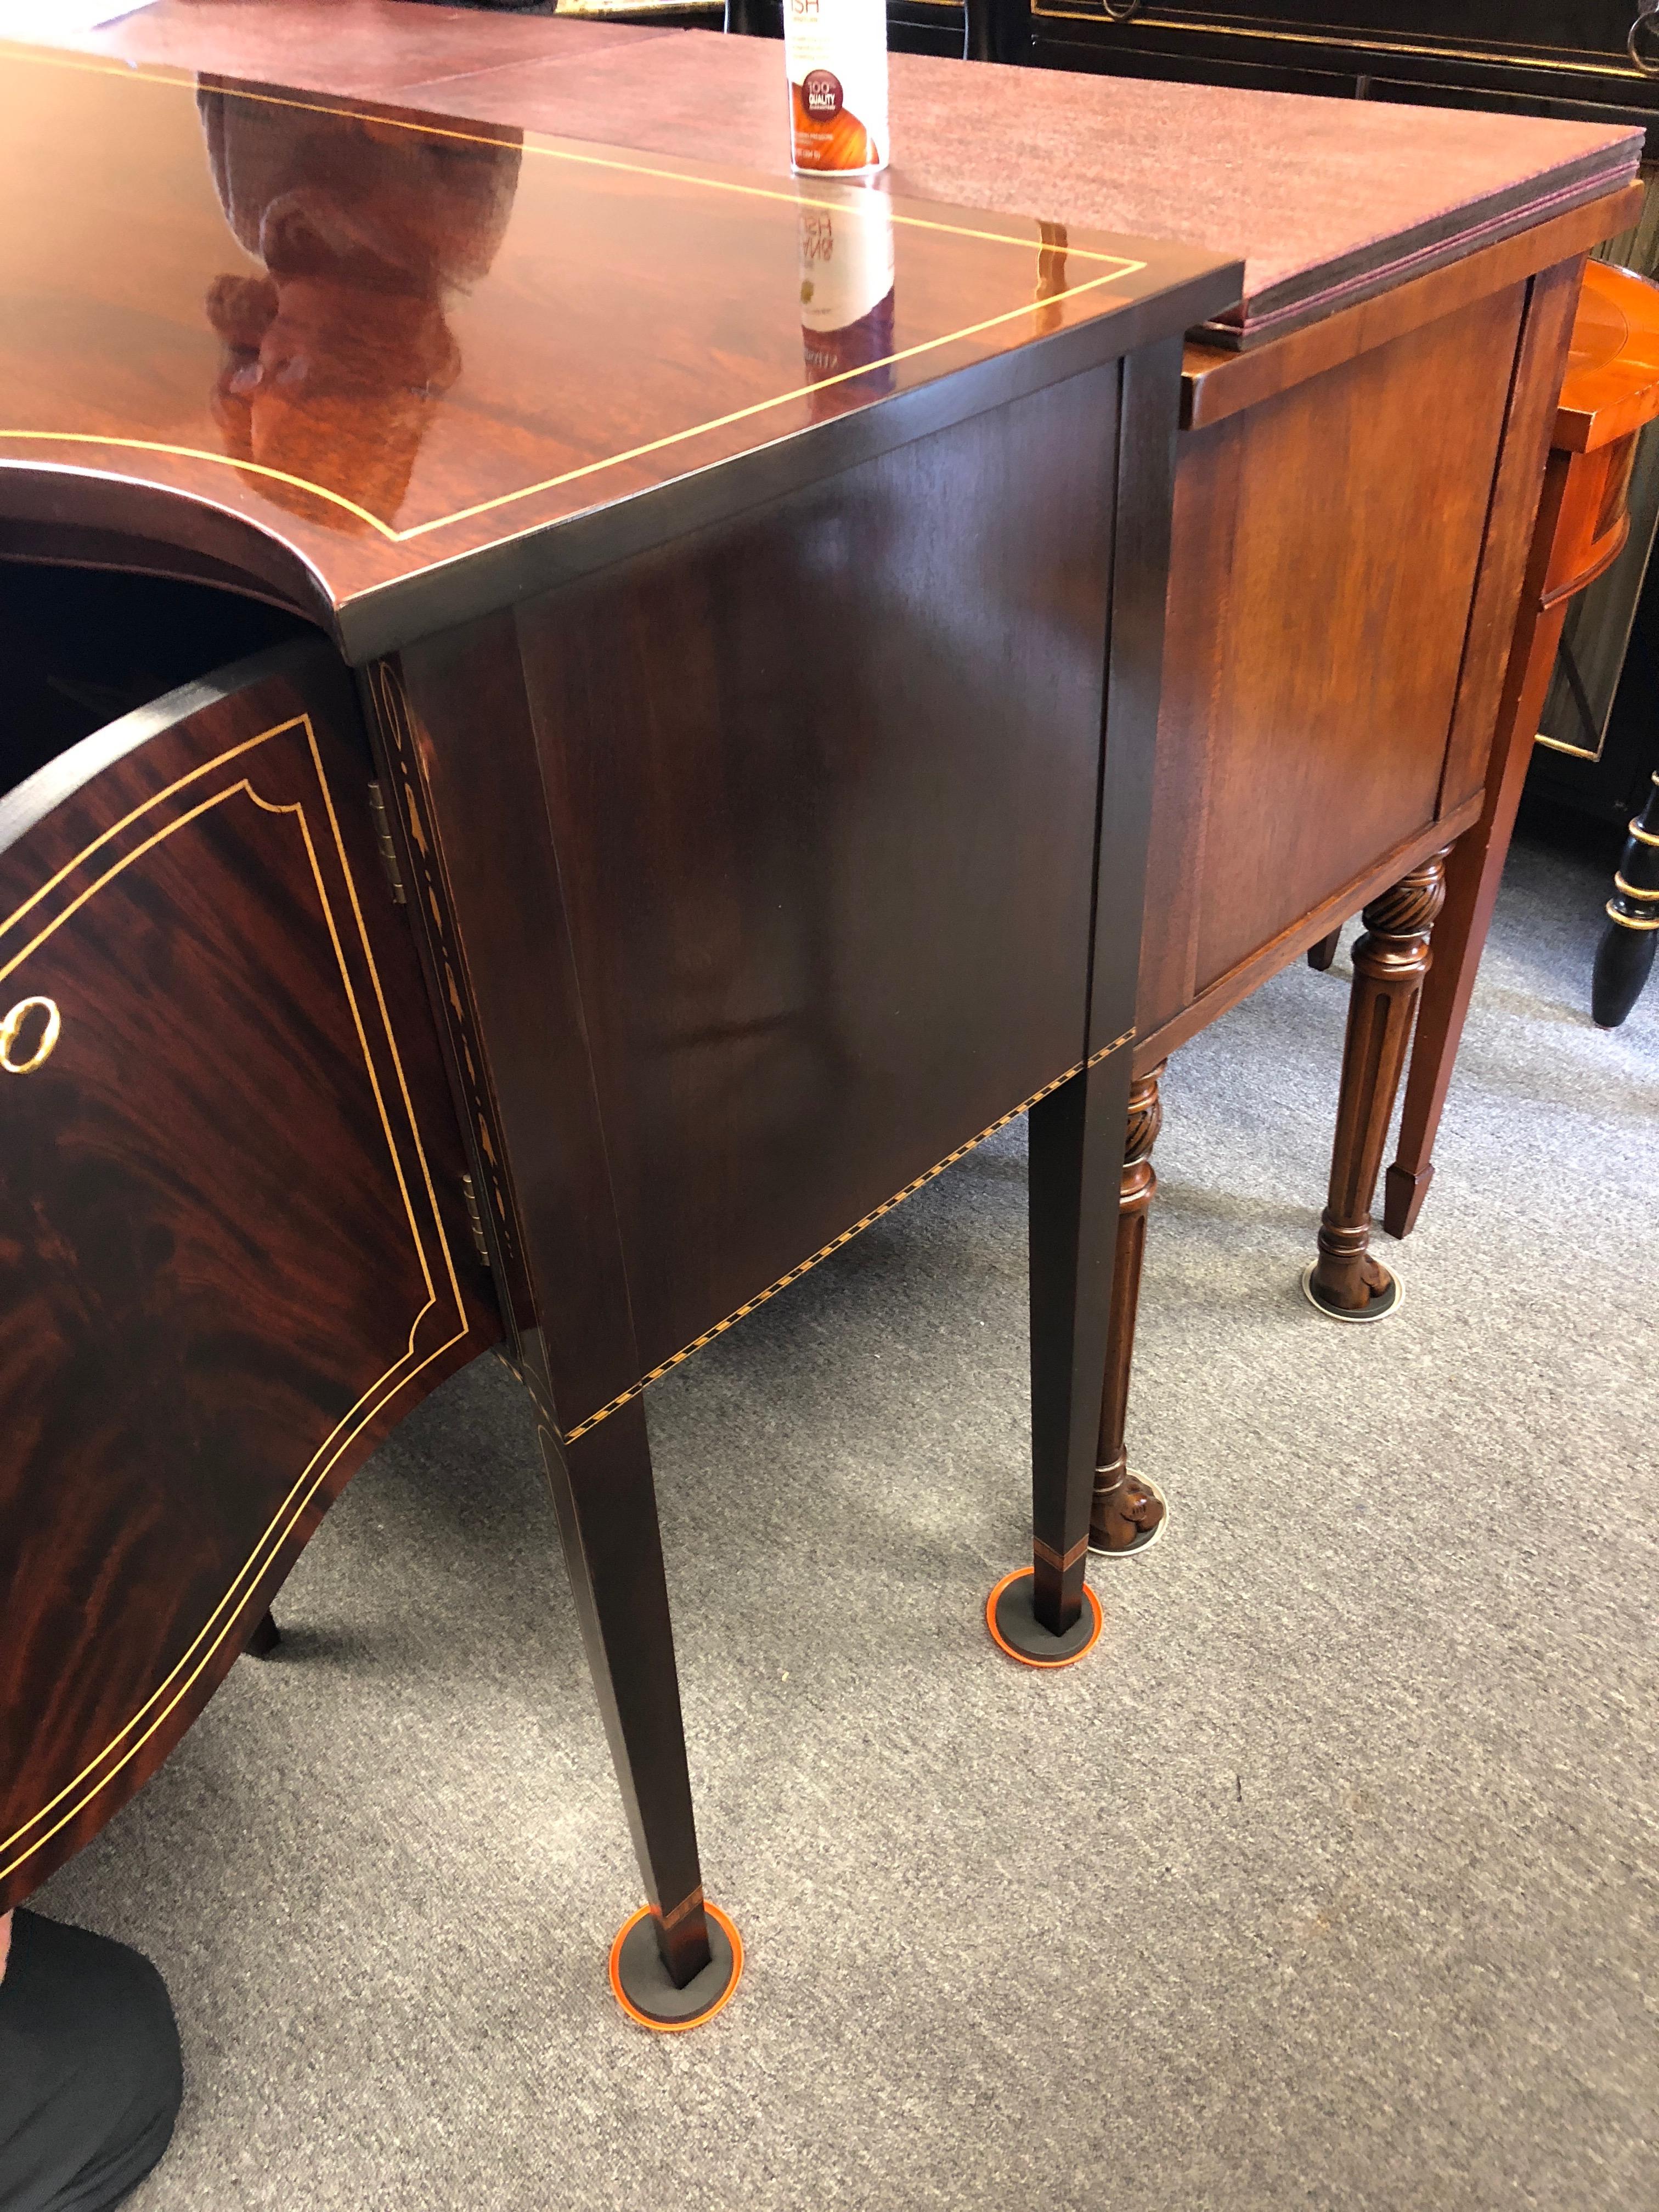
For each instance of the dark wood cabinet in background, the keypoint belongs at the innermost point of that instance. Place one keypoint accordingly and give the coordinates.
(1566, 57)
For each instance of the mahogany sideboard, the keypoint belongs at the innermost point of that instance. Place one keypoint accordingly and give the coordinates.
(1362, 446)
(673, 775)
(1357, 469)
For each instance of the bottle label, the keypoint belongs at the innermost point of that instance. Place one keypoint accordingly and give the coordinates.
(835, 53)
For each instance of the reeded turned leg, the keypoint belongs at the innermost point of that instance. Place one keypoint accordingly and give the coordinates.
(1389, 963)
(674, 1963)
(1623, 959)
(1126, 1510)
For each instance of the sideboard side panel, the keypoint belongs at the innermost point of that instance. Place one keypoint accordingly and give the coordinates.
(498, 903)
(823, 780)
(1329, 652)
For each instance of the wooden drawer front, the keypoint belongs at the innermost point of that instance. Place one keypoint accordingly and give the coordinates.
(1326, 545)
(231, 1252)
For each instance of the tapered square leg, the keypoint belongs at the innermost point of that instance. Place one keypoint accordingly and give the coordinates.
(1047, 1616)
(607, 1509)
(1076, 1133)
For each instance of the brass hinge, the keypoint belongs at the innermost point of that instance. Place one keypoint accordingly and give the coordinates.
(475, 1217)
(388, 850)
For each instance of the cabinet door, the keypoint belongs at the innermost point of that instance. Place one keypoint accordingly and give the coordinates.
(233, 1244)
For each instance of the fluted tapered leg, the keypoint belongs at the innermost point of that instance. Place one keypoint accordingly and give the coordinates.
(1125, 1511)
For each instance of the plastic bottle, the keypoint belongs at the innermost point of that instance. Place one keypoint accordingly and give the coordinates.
(835, 55)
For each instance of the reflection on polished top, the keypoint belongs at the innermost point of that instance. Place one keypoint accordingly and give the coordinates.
(1328, 201)
(387, 340)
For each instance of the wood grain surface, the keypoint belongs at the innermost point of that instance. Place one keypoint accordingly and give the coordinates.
(232, 1246)
(1312, 665)
(1328, 201)
(379, 343)
(822, 784)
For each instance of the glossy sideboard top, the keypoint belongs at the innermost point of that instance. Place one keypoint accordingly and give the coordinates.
(1328, 201)
(386, 341)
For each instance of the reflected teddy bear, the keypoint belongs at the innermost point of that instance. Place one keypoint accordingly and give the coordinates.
(336, 358)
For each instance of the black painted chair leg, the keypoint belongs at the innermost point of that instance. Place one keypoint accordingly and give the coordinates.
(265, 1639)
(1623, 959)
(1321, 956)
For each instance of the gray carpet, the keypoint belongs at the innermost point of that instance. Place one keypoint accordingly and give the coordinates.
(1328, 1881)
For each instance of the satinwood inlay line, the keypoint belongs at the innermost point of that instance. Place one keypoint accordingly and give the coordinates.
(1052, 1558)
(835, 1244)
(1119, 266)
(588, 468)
(99, 1770)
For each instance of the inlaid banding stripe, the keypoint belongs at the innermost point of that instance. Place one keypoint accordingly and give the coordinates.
(628, 1396)
(672, 1919)
(1051, 1558)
